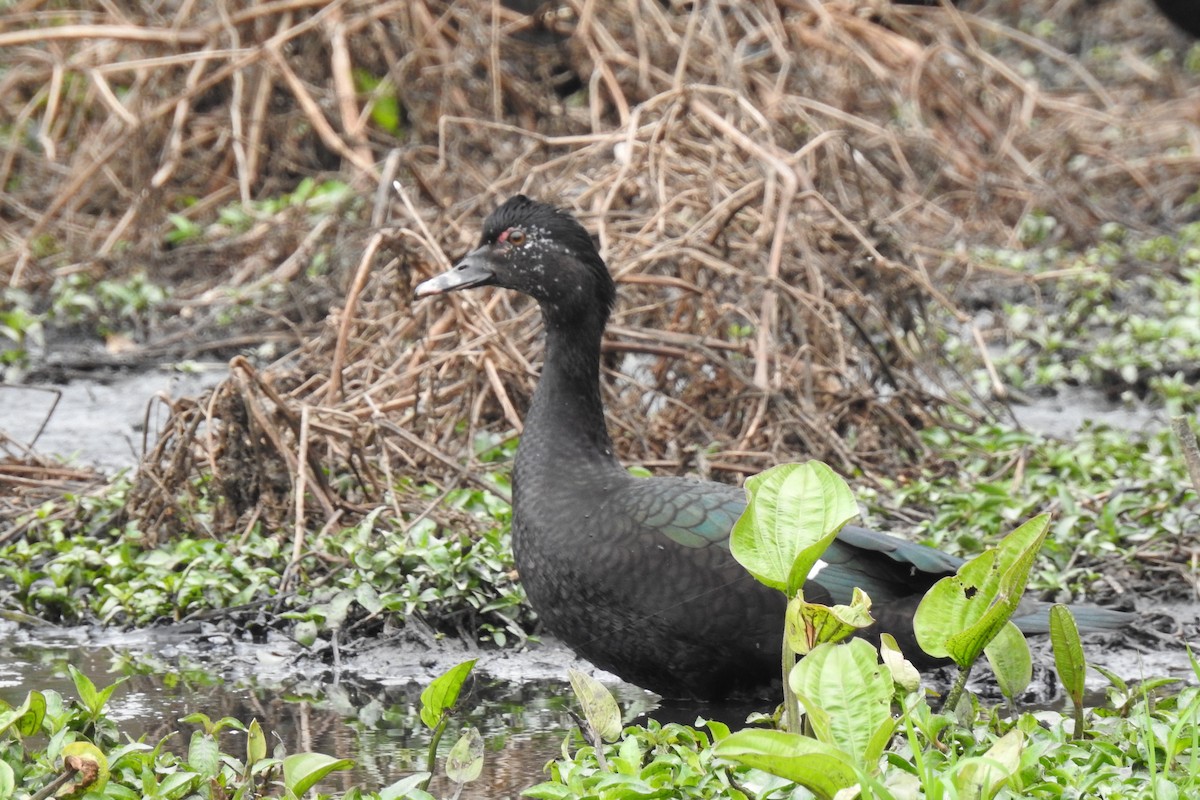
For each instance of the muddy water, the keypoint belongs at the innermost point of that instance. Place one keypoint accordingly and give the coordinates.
(95, 422)
(305, 706)
(368, 709)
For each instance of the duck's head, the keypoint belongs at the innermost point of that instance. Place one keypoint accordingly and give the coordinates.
(538, 250)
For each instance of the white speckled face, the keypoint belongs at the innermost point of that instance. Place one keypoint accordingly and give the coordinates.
(541, 251)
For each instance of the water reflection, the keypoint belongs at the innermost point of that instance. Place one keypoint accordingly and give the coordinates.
(376, 725)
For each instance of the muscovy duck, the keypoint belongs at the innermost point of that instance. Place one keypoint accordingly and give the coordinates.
(635, 574)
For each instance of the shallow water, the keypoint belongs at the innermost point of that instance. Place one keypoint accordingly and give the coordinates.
(97, 423)
(368, 709)
(301, 705)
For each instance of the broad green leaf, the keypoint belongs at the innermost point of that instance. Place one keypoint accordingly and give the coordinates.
(961, 613)
(203, 754)
(904, 674)
(599, 707)
(35, 712)
(809, 624)
(178, 784)
(982, 777)
(302, 771)
(1165, 788)
(199, 718)
(1011, 662)
(213, 728)
(1068, 652)
(8, 781)
(442, 693)
(819, 767)
(793, 513)
(91, 760)
(465, 760)
(718, 729)
(27, 717)
(855, 691)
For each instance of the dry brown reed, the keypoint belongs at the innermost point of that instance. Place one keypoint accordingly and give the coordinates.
(785, 191)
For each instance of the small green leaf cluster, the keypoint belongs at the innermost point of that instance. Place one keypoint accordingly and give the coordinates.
(1112, 493)
(20, 329)
(386, 110)
(109, 305)
(459, 580)
(111, 577)
(310, 196)
(1123, 316)
(652, 761)
(84, 756)
(1149, 748)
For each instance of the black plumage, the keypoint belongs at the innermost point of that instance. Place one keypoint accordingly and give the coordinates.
(635, 574)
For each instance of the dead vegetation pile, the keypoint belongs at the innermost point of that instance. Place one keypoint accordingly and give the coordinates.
(784, 190)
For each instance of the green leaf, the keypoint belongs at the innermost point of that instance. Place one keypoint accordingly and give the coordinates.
(442, 693)
(1009, 656)
(178, 784)
(718, 729)
(465, 760)
(809, 624)
(86, 751)
(549, 791)
(1069, 661)
(256, 744)
(305, 632)
(204, 755)
(904, 674)
(850, 686)
(961, 613)
(302, 770)
(31, 719)
(407, 788)
(980, 778)
(1068, 652)
(819, 767)
(368, 598)
(85, 689)
(794, 512)
(27, 717)
(599, 707)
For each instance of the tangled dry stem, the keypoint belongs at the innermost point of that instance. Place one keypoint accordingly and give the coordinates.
(788, 193)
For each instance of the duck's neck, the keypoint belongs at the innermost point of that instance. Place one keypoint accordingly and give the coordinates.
(565, 432)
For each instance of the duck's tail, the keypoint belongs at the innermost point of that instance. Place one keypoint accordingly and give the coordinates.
(1035, 618)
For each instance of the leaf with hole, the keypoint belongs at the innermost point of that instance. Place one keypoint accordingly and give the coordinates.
(961, 613)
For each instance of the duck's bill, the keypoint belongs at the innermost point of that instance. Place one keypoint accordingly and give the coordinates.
(471, 271)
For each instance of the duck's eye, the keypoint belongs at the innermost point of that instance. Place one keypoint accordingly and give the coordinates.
(515, 236)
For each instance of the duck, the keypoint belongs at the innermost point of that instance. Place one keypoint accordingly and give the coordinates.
(635, 574)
